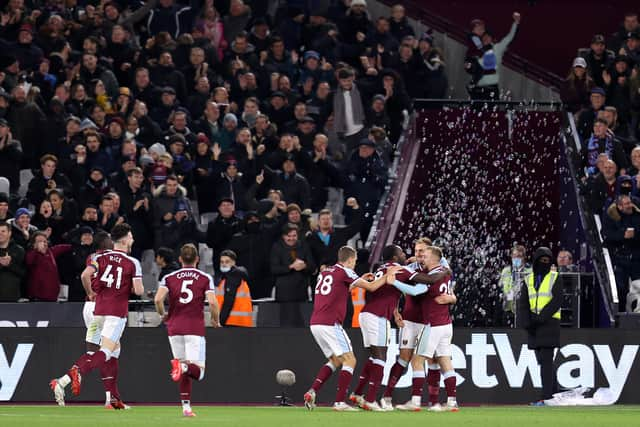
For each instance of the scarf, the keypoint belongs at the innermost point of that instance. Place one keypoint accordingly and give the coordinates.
(594, 149)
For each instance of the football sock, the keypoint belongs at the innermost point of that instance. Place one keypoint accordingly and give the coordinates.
(343, 383)
(375, 379)
(324, 373)
(364, 377)
(417, 384)
(394, 376)
(450, 384)
(185, 389)
(109, 375)
(433, 381)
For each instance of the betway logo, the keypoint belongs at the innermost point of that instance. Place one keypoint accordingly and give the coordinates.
(10, 373)
(578, 371)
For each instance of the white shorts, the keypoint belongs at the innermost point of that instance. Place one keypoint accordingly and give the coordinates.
(110, 327)
(333, 340)
(375, 330)
(435, 341)
(87, 312)
(410, 333)
(192, 348)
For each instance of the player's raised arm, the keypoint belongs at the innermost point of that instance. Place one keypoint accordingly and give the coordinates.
(161, 294)
(215, 310)
(431, 278)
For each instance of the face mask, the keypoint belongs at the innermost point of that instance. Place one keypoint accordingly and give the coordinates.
(516, 262)
(225, 269)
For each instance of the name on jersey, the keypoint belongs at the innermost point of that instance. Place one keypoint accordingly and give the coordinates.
(185, 274)
(115, 258)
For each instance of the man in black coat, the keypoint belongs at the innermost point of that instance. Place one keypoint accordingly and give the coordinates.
(135, 205)
(252, 247)
(295, 187)
(220, 231)
(540, 319)
(46, 179)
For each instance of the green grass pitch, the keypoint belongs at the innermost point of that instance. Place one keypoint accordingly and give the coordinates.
(221, 416)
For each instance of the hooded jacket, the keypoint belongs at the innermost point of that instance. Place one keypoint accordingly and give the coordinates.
(543, 330)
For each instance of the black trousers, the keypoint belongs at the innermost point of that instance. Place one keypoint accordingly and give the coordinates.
(544, 356)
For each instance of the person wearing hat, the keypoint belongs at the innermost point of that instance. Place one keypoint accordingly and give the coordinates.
(306, 132)
(12, 269)
(598, 58)
(28, 54)
(367, 179)
(377, 114)
(399, 23)
(577, 87)
(21, 227)
(10, 156)
(295, 187)
(220, 230)
(162, 110)
(27, 122)
(587, 117)
(278, 110)
(539, 313)
(631, 47)
(356, 26)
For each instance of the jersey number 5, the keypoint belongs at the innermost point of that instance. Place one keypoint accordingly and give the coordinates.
(185, 290)
(107, 277)
(323, 286)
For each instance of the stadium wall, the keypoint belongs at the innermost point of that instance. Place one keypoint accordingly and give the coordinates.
(493, 365)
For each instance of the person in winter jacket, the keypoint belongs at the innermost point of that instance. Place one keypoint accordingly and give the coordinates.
(43, 282)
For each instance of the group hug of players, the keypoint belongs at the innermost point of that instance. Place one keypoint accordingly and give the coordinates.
(112, 275)
(425, 328)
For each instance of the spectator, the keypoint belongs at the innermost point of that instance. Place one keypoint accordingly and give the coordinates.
(325, 240)
(95, 187)
(108, 215)
(577, 88)
(602, 187)
(43, 281)
(26, 120)
(174, 19)
(10, 156)
(166, 261)
(435, 79)
(252, 245)
(83, 246)
(91, 70)
(237, 19)
(629, 25)
(12, 268)
(321, 173)
(564, 262)
(587, 117)
(602, 141)
(294, 187)
(169, 199)
(598, 59)
(5, 214)
(234, 296)
(634, 169)
(399, 23)
(621, 234)
(64, 216)
(617, 85)
(21, 228)
(490, 61)
(229, 184)
(220, 230)
(135, 205)
(512, 278)
(348, 110)
(295, 216)
(291, 265)
(367, 179)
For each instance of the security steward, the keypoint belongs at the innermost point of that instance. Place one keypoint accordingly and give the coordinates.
(233, 294)
(540, 301)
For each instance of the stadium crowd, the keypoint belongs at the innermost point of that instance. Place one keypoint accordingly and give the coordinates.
(603, 91)
(157, 112)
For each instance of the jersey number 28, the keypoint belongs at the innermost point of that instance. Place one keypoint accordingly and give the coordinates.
(323, 285)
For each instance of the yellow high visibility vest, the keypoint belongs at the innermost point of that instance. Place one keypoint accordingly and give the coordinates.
(242, 310)
(540, 298)
(357, 299)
